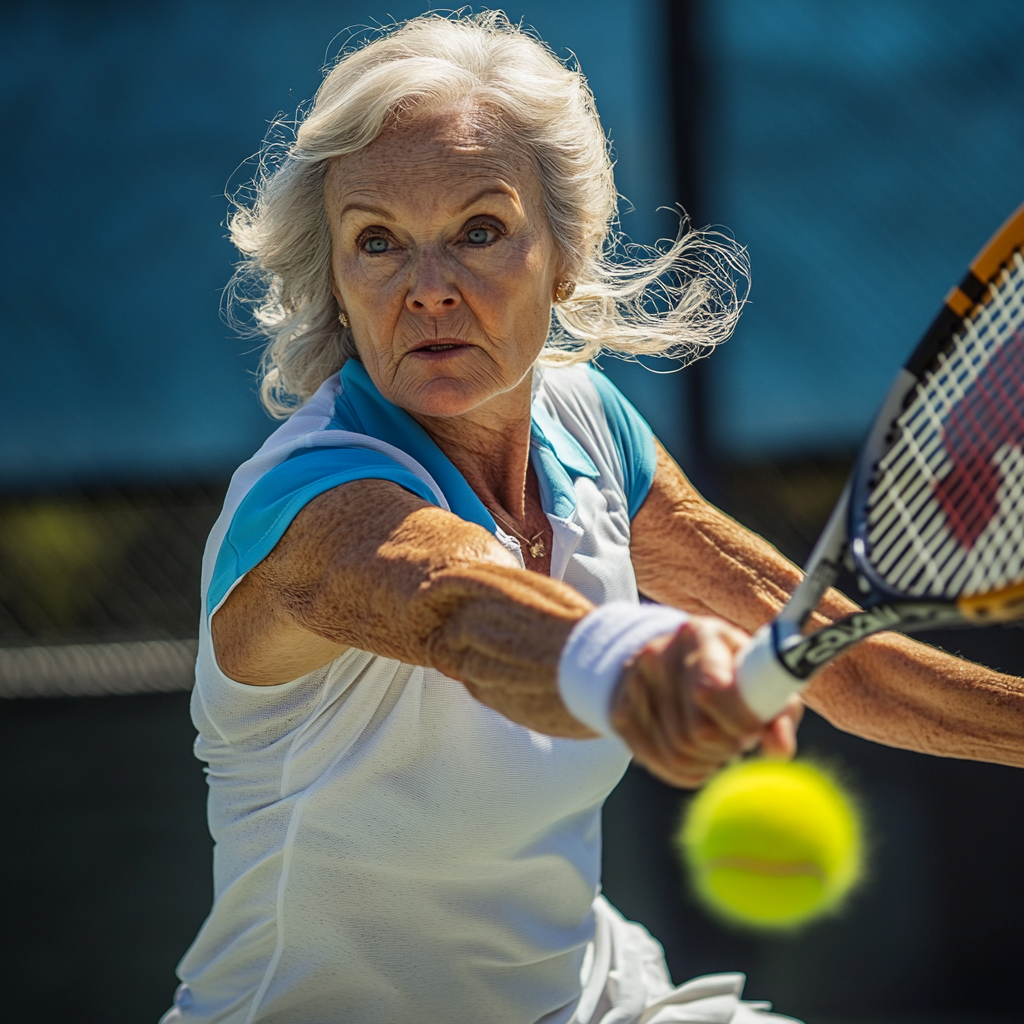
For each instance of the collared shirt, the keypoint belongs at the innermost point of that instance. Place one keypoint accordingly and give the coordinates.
(360, 413)
(388, 848)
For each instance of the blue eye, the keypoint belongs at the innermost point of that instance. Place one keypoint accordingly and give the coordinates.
(479, 236)
(377, 244)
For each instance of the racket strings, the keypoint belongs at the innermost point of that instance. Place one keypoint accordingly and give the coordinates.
(946, 505)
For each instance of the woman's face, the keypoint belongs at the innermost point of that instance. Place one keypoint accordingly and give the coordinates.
(443, 261)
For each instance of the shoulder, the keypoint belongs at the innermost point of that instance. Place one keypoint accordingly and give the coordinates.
(321, 446)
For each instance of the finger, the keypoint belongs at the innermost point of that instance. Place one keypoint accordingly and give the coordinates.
(684, 772)
(641, 720)
(735, 638)
(693, 779)
(688, 674)
(705, 651)
(662, 731)
(779, 737)
(795, 708)
(715, 692)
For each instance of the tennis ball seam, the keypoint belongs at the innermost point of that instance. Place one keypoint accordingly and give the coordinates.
(772, 844)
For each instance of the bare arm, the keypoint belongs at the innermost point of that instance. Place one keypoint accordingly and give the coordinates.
(372, 566)
(888, 688)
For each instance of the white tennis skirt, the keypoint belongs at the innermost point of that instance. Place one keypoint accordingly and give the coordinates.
(630, 983)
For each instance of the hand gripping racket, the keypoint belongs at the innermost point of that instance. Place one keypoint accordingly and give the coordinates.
(931, 521)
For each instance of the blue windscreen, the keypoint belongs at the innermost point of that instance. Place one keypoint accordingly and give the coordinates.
(864, 151)
(125, 125)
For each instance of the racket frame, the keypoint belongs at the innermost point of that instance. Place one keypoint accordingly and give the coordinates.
(779, 660)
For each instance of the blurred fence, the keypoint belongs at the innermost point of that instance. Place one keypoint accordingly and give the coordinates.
(99, 590)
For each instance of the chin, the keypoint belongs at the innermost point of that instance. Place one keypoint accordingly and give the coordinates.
(446, 397)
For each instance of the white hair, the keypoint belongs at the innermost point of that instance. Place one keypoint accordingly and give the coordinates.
(679, 300)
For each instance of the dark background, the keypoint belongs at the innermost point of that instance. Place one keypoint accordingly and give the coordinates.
(862, 151)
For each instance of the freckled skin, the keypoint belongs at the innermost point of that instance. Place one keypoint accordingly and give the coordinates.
(420, 194)
(425, 195)
(887, 688)
(446, 267)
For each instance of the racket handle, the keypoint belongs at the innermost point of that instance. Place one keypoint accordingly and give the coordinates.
(765, 684)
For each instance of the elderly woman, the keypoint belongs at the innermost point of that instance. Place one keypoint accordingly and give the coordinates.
(423, 664)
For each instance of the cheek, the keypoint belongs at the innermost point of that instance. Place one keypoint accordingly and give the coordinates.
(523, 280)
(355, 276)
(369, 291)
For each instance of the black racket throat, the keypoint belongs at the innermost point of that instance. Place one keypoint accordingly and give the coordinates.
(803, 656)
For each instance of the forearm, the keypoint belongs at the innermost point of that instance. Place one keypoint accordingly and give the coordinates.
(903, 693)
(690, 555)
(372, 567)
(888, 688)
(498, 630)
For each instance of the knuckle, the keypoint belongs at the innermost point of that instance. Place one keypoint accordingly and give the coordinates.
(687, 637)
(709, 692)
(706, 734)
(695, 778)
(688, 755)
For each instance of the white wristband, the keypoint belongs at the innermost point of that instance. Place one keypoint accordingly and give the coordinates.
(597, 651)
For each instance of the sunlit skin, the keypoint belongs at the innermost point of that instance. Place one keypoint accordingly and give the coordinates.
(446, 268)
(445, 265)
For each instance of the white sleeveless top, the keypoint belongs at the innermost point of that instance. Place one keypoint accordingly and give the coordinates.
(388, 849)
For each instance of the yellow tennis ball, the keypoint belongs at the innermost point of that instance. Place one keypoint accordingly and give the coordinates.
(771, 844)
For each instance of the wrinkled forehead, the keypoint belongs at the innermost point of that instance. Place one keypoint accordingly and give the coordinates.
(446, 154)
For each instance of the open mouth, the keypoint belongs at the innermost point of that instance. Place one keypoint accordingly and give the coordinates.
(439, 347)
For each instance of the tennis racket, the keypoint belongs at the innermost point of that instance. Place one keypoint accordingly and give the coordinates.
(931, 521)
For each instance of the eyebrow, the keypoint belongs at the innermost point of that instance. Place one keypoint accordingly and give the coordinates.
(380, 211)
(377, 211)
(508, 192)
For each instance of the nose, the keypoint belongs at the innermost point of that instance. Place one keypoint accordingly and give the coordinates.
(432, 290)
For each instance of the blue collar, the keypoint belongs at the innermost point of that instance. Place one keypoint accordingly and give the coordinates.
(557, 456)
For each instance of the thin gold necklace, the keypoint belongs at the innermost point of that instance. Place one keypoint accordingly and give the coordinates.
(534, 544)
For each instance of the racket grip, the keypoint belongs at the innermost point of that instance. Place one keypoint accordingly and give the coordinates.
(765, 684)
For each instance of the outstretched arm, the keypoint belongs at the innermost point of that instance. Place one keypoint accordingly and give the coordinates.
(371, 566)
(888, 688)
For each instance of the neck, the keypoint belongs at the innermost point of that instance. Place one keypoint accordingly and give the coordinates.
(490, 447)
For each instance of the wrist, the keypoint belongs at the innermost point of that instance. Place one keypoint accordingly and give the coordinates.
(598, 651)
